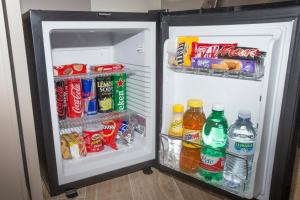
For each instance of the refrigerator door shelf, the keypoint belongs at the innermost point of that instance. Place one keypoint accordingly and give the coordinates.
(219, 73)
(170, 148)
(99, 117)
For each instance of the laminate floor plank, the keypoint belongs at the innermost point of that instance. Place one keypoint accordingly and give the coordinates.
(157, 186)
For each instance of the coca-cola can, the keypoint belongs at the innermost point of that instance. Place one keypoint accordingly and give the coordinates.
(61, 103)
(74, 95)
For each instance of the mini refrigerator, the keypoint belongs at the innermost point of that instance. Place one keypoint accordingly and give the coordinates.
(145, 44)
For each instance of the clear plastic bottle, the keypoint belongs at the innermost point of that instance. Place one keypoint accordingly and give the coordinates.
(240, 148)
(193, 121)
(214, 138)
(175, 130)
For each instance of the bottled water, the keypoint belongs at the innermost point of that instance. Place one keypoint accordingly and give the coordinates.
(240, 148)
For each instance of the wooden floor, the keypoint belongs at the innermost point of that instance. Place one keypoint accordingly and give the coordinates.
(157, 186)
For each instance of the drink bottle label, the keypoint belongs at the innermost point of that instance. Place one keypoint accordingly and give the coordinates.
(192, 137)
(211, 163)
(240, 147)
(176, 127)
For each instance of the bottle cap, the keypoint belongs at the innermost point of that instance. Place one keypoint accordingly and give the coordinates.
(178, 108)
(195, 103)
(244, 114)
(218, 107)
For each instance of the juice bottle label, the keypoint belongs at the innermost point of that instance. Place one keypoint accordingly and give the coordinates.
(211, 163)
(240, 147)
(176, 127)
(191, 136)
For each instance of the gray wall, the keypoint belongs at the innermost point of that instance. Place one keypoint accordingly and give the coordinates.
(125, 5)
(174, 5)
(56, 5)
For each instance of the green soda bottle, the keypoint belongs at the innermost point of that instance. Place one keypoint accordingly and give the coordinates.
(214, 138)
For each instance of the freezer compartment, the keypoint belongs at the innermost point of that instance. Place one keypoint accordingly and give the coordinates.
(261, 96)
(98, 43)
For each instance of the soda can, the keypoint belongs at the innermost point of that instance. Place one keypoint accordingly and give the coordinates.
(61, 103)
(104, 91)
(74, 96)
(119, 94)
(89, 96)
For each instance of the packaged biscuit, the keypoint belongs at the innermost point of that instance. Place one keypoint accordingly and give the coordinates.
(72, 146)
(70, 69)
(107, 68)
(224, 64)
(184, 48)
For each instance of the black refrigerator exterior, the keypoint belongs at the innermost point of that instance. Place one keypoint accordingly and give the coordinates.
(286, 139)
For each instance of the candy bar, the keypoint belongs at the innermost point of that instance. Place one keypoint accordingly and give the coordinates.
(224, 64)
(107, 68)
(70, 69)
(246, 53)
(205, 50)
(184, 48)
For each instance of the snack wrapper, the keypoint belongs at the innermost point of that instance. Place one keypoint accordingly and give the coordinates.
(126, 133)
(224, 64)
(94, 140)
(72, 146)
(207, 50)
(70, 69)
(110, 131)
(184, 48)
(107, 68)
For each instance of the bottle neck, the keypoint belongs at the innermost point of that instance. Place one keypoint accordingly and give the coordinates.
(196, 109)
(218, 113)
(244, 119)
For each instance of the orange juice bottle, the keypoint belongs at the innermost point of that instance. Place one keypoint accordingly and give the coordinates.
(193, 121)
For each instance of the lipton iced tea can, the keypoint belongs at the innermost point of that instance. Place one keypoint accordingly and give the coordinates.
(74, 96)
(120, 97)
(89, 96)
(61, 103)
(104, 89)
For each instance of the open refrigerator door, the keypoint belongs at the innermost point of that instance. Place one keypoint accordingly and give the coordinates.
(242, 67)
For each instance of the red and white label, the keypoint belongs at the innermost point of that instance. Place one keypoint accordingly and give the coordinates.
(75, 106)
(211, 163)
(93, 140)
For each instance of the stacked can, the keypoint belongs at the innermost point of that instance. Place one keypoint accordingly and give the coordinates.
(119, 94)
(104, 94)
(89, 96)
(61, 103)
(74, 98)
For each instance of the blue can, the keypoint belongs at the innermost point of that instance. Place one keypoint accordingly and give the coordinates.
(89, 96)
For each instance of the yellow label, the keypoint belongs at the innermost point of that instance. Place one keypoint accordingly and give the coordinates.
(192, 137)
(176, 127)
(187, 40)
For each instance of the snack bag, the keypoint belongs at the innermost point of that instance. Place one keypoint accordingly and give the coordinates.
(73, 146)
(125, 133)
(110, 131)
(207, 50)
(93, 138)
(184, 48)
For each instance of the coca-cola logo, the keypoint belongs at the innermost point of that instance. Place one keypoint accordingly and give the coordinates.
(76, 94)
(60, 100)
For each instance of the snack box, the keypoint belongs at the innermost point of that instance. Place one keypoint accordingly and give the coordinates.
(224, 64)
(107, 68)
(72, 146)
(70, 69)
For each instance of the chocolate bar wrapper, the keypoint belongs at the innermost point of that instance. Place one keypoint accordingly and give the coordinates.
(184, 48)
(224, 64)
(244, 53)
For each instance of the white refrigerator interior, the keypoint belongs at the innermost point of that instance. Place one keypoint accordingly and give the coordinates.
(262, 97)
(129, 43)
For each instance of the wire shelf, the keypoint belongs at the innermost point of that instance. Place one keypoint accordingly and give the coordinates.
(100, 117)
(92, 75)
(257, 76)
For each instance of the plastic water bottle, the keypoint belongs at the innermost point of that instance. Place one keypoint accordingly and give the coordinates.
(240, 149)
(214, 138)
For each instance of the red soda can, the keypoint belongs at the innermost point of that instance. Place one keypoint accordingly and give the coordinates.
(61, 103)
(74, 96)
